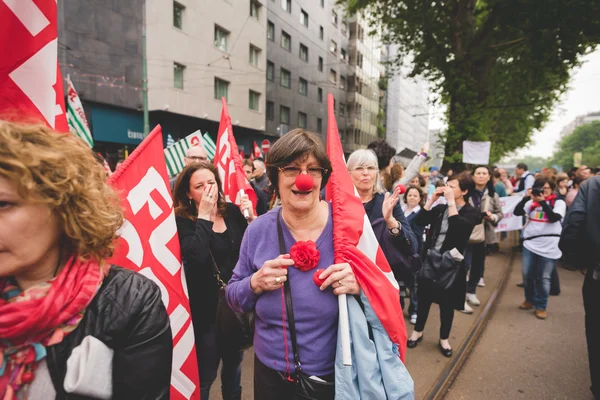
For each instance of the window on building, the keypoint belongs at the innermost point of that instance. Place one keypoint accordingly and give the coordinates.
(342, 82)
(319, 95)
(254, 55)
(270, 111)
(342, 109)
(254, 8)
(286, 41)
(333, 47)
(178, 71)
(270, 70)
(221, 36)
(284, 115)
(221, 89)
(178, 10)
(304, 18)
(253, 100)
(322, 3)
(319, 125)
(270, 31)
(287, 5)
(303, 87)
(334, 18)
(321, 33)
(302, 120)
(344, 55)
(344, 26)
(332, 76)
(303, 52)
(286, 78)
(320, 64)
(359, 59)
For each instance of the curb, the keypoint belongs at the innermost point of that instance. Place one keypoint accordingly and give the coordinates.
(449, 374)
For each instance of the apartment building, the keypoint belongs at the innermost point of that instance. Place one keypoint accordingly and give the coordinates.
(307, 58)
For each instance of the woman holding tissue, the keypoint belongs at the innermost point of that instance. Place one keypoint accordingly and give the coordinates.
(451, 226)
(71, 324)
(210, 234)
(286, 274)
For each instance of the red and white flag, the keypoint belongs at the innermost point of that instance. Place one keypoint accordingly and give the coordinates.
(257, 152)
(229, 163)
(355, 243)
(149, 244)
(105, 164)
(30, 80)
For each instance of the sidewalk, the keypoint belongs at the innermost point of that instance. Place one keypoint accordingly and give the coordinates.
(425, 362)
(522, 357)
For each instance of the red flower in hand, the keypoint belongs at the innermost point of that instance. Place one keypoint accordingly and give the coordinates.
(305, 255)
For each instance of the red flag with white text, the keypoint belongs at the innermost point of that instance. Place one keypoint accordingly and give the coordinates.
(30, 80)
(257, 152)
(149, 245)
(229, 163)
(355, 243)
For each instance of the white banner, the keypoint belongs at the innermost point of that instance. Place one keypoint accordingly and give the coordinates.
(476, 152)
(510, 222)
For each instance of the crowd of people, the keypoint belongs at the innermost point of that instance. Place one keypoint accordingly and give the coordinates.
(59, 220)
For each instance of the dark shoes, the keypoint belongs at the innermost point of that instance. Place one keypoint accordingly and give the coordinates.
(411, 344)
(522, 284)
(445, 352)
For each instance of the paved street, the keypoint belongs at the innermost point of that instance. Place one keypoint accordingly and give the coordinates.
(521, 357)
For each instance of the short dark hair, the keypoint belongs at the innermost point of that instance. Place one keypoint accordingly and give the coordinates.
(421, 194)
(383, 151)
(297, 144)
(540, 182)
(465, 182)
(522, 166)
(248, 162)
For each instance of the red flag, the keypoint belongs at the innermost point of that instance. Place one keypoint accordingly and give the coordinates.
(229, 163)
(32, 87)
(257, 152)
(355, 243)
(149, 245)
(242, 154)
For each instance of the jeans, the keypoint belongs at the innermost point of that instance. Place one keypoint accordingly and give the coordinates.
(537, 275)
(475, 261)
(209, 357)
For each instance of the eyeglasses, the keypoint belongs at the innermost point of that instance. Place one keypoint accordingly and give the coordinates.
(370, 168)
(292, 172)
(197, 159)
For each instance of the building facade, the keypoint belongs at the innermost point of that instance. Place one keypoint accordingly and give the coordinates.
(407, 108)
(307, 59)
(578, 121)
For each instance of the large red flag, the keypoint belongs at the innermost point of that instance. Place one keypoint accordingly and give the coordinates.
(355, 243)
(149, 245)
(30, 80)
(229, 163)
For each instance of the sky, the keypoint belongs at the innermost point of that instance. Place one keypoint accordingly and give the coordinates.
(582, 97)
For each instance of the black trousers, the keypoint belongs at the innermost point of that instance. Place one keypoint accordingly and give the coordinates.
(270, 384)
(477, 265)
(446, 314)
(591, 304)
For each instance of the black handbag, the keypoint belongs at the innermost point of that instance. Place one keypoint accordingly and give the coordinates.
(307, 388)
(234, 330)
(440, 268)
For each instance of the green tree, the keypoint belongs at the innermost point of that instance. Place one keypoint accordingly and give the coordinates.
(585, 139)
(498, 65)
(533, 163)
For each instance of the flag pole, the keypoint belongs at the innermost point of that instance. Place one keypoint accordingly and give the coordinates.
(345, 330)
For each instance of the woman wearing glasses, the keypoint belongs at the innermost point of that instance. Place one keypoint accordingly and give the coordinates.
(393, 231)
(540, 242)
(291, 243)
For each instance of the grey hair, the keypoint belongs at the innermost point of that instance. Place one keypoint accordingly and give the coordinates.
(261, 164)
(365, 157)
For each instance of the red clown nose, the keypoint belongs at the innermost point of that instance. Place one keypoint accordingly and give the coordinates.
(401, 188)
(304, 182)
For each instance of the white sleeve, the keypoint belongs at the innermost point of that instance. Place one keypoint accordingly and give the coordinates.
(529, 181)
(560, 207)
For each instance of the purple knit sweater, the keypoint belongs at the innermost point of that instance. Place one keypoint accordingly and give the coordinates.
(315, 312)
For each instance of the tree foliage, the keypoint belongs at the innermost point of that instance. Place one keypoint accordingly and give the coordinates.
(498, 65)
(585, 139)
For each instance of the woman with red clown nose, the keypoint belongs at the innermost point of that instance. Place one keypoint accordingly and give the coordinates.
(286, 274)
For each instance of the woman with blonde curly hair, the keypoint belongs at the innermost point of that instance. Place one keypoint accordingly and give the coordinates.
(71, 324)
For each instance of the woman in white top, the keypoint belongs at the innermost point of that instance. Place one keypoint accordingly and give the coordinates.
(540, 246)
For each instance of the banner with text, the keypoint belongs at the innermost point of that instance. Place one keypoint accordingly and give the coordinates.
(510, 222)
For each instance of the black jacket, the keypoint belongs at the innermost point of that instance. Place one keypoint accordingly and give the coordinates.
(460, 228)
(580, 239)
(127, 315)
(195, 237)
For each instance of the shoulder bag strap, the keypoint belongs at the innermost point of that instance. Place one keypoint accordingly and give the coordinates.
(288, 299)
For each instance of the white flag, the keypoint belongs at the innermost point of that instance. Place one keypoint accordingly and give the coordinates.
(76, 119)
(476, 152)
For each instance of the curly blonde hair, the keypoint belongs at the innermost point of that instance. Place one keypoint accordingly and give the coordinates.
(61, 171)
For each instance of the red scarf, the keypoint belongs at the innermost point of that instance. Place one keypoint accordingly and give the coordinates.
(549, 199)
(42, 316)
